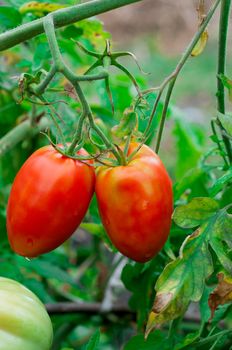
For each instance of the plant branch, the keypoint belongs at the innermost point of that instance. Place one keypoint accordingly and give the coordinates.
(20, 132)
(60, 66)
(223, 29)
(171, 79)
(62, 18)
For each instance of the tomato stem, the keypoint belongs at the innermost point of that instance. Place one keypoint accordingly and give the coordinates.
(223, 30)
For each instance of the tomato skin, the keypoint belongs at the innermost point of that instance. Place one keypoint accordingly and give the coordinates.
(48, 200)
(135, 204)
(24, 322)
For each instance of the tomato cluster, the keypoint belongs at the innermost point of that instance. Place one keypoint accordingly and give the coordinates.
(51, 194)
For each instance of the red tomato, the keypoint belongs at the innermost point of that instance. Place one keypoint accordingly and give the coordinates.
(135, 204)
(48, 200)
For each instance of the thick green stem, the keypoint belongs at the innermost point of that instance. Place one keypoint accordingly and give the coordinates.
(19, 133)
(62, 18)
(223, 30)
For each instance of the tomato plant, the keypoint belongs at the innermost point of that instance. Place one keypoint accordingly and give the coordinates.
(72, 84)
(135, 204)
(24, 322)
(48, 200)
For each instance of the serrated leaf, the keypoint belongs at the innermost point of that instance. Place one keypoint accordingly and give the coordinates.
(182, 280)
(220, 183)
(226, 121)
(195, 212)
(93, 343)
(221, 239)
(222, 294)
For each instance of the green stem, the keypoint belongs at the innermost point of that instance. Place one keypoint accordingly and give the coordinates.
(223, 30)
(19, 133)
(164, 114)
(213, 127)
(73, 78)
(171, 79)
(62, 18)
(40, 88)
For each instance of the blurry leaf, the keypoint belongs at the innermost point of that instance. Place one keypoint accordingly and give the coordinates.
(39, 8)
(39, 289)
(47, 270)
(220, 183)
(226, 121)
(194, 181)
(189, 147)
(93, 30)
(221, 238)
(128, 124)
(204, 306)
(227, 84)
(41, 54)
(9, 18)
(182, 280)
(99, 231)
(195, 212)
(93, 343)
(226, 198)
(222, 294)
(188, 340)
(155, 341)
(139, 279)
(201, 44)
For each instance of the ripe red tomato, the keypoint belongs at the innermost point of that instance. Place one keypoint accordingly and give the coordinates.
(48, 200)
(135, 204)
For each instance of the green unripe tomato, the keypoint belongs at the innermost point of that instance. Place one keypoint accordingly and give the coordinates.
(24, 322)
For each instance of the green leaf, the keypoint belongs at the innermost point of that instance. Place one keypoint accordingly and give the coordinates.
(93, 343)
(195, 181)
(195, 212)
(221, 239)
(182, 280)
(47, 270)
(128, 124)
(226, 121)
(99, 231)
(155, 341)
(9, 18)
(220, 183)
(188, 340)
(189, 146)
(139, 280)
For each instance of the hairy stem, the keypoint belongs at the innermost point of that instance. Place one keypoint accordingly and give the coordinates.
(62, 18)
